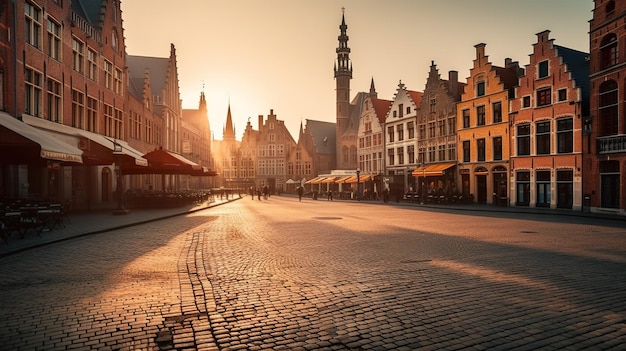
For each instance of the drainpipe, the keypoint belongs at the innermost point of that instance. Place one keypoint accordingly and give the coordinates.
(15, 59)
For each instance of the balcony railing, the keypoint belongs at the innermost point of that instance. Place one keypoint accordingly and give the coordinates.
(611, 144)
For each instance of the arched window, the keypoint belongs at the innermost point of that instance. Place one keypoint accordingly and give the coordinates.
(114, 41)
(608, 108)
(610, 7)
(608, 51)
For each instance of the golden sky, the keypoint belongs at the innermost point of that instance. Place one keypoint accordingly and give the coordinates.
(279, 54)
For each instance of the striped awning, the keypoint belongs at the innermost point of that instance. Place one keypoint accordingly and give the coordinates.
(432, 170)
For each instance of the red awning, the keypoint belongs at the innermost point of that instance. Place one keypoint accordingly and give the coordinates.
(167, 162)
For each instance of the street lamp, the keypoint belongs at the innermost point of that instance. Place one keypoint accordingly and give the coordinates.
(358, 183)
(423, 183)
(117, 154)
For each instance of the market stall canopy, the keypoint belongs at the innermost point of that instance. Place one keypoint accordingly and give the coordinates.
(329, 180)
(17, 134)
(162, 161)
(362, 179)
(343, 179)
(315, 180)
(432, 170)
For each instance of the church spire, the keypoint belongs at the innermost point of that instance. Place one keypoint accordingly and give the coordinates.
(229, 130)
(373, 93)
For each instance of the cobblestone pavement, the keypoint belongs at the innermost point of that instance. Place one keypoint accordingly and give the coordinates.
(317, 275)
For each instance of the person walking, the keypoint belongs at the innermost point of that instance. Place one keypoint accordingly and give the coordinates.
(330, 195)
(300, 192)
(258, 193)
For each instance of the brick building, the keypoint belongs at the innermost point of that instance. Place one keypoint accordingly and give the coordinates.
(546, 127)
(483, 128)
(436, 134)
(604, 142)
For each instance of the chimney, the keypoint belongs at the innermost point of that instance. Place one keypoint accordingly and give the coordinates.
(543, 37)
(480, 50)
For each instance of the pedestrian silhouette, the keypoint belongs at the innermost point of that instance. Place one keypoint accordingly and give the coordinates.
(300, 192)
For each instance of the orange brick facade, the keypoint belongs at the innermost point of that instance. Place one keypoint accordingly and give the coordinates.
(605, 141)
(546, 128)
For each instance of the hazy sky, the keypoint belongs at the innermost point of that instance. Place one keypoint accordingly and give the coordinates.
(279, 54)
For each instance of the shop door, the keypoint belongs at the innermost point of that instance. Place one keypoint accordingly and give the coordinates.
(481, 189)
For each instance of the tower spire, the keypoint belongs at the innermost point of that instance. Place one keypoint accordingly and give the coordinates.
(229, 130)
(343, 75)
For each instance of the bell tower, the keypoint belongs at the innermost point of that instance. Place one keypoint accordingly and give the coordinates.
(343, 75)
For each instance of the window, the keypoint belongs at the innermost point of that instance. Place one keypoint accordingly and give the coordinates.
(401, 110)
(480, 149)
(466, 151)
(78, 109)
(441, 152)
(114, 41)
(408, 110)
(608, 51)
(522, 186)
(610, 7)
(390, 155)
(422, 155)
(451, 125)
(496, 108)
(118, 81)
(608, 106)
(562, 94)
(108, 75)
(390, 134)
(411, 128)
(92, 114)
(400, 155)
(92, 66)
(565, 135)
(54, 39)
(466, 118)
(77, 55)
(431, 129)
(433, 104)
(497, 148)
(422, 131)
(33, 25)
(542, 69)
(480, 88)
(400, 130)
(544, 96)
(480, 115)
(109, 124)
(431, 154)
(526, 102)
(441, 127)
(410, 150)
(32, 92)
(543, 138)
(523, 140)
(54, 101)
(452, 152)
(543, 188)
